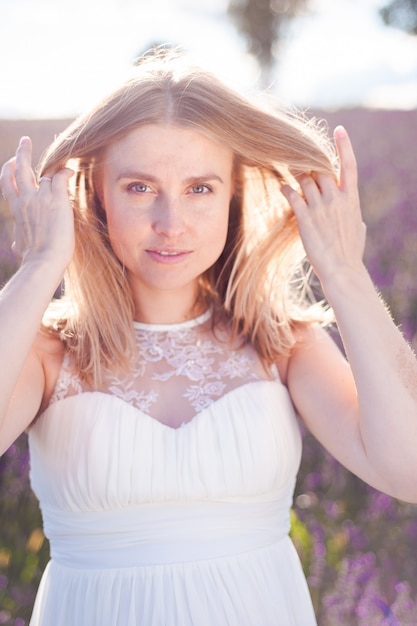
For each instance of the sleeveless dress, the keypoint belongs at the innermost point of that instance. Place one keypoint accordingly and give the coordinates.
(166, 493)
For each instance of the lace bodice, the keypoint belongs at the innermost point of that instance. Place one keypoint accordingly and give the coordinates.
(179, 370)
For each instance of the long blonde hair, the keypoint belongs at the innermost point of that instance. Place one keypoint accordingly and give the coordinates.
(258, 283)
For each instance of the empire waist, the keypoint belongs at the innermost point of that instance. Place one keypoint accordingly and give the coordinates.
(162, 533)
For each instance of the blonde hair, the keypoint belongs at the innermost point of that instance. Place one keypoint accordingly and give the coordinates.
(259, 282)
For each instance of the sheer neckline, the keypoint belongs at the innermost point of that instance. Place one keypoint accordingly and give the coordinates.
(176, 371)
(196, 321)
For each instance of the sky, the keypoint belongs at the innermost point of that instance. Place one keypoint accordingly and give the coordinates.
(60, 57)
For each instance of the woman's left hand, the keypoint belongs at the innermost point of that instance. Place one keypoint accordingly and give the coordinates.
(329, 215)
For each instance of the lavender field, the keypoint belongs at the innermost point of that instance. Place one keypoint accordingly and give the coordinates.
(358, 546)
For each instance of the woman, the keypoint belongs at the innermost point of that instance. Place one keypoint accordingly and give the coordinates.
(161, 393)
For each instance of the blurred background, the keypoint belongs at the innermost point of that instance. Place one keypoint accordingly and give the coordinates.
(346, 61)
(59, 57)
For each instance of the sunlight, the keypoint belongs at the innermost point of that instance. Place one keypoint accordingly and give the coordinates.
(59, 64)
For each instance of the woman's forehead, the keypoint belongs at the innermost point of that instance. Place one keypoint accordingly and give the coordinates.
(160, 141)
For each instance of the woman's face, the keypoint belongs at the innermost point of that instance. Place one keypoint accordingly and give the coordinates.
(166, 192)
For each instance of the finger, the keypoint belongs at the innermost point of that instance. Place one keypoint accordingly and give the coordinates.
(62, 176)
(327, 184)
(7, 180)
(293, 198)
(310, 188)
(25, 177)
(348, 176)
(45, 185)
(57, 181)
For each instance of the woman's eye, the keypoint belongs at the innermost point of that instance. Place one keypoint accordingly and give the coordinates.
(199, 189)
(139, 187)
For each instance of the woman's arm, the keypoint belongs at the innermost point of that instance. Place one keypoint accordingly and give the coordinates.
(44, 240)
(365, 414)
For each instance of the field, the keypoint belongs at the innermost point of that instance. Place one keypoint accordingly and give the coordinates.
(357, 545)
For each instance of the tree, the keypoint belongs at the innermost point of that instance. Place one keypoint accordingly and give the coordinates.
(401, 14)
(263, 23)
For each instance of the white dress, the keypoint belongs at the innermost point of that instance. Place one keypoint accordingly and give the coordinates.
(157, 525)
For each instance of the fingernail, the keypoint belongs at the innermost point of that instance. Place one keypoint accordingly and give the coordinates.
(340, 131)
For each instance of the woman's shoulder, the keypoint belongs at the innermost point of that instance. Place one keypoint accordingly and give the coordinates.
(306, 337)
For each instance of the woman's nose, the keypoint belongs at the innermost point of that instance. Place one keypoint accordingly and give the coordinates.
(168, 217)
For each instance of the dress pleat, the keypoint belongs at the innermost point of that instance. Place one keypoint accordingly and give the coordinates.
(155, 526)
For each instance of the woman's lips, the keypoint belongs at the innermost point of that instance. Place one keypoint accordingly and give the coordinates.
(163, 255)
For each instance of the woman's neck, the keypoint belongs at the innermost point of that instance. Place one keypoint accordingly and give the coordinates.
(168, 308)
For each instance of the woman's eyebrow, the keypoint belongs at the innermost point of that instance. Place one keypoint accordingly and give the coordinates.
(134, 174)
(208, 176)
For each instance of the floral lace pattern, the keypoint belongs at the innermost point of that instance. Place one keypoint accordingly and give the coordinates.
(68, 383)
(178, 371)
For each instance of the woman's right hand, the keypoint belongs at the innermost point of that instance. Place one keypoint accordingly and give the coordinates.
(42, 212)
